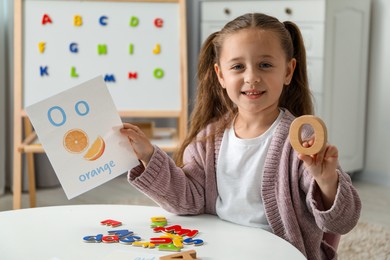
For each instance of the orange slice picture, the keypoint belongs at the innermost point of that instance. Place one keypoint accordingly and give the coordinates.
(75, 141)
(96, 150)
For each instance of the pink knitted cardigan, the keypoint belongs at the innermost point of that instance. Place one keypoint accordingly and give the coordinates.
(291, 198)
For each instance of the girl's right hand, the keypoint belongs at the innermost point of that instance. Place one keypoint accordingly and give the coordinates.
(143, 148)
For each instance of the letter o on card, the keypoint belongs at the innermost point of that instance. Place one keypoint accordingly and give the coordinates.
(319, 131)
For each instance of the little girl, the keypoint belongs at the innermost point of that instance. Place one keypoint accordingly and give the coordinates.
(237, 161)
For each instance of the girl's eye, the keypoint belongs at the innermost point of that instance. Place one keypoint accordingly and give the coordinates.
(237, 67)
(265, 65)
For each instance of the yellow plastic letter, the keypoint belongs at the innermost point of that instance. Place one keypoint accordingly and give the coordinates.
(78, 20)
(41, 47)
(157, 49)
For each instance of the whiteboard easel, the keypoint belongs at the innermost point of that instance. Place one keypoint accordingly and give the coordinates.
(38, 75)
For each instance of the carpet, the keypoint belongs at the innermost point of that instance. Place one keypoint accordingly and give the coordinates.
(365, 242)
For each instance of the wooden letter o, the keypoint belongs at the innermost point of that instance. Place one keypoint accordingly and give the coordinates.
(319, 131)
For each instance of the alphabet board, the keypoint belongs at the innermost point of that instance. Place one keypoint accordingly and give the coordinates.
(135, 46)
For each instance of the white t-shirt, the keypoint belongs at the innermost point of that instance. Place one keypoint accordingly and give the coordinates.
(239, 175)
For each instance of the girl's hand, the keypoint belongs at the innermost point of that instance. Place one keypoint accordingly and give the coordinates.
(143, 148)
(322, 166)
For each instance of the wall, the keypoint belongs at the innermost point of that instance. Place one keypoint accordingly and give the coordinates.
(377, 163)
(2, 98)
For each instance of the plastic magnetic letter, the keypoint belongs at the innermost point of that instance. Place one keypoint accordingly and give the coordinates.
(144, 244)
(131, 48)
(110, 239)
(158, 219)
(172, 236)
(102, 49)
(134, 21)
(41, 46)
(110, 222)
(46, 19)
(93, 239)
(187, 255)
(158, 22)
(319, 131)
(168, 247)
(160, 240)
(109, 78)
(132, 75)
(183, 232)
(73, 72)
(44, 71)
(174, 228)
(73, 47)
(77, 20)
(178, 242)
(190, 241)
(158, 73)
(121, 233)
(159, 229)
(103, 20)
(157, 49)
(158, 224)
(188, 233)
(129, 239)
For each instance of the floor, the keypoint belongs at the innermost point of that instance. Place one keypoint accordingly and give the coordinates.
(375, 198)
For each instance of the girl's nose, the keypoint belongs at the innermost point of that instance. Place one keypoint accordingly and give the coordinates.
(251, 78)
(252, 82)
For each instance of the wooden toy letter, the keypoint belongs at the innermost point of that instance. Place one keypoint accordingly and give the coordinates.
(319, 131)
(187, 255)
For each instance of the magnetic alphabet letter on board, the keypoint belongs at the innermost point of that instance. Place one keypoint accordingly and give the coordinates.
(46, 19)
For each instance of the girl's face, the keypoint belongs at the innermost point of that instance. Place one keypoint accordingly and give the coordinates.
(253, 69)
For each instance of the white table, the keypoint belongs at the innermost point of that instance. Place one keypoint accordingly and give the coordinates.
(57, 233)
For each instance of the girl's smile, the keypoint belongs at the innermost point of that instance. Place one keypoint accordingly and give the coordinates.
(252, 94)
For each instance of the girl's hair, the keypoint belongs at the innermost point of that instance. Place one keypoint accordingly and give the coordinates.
(212, 101)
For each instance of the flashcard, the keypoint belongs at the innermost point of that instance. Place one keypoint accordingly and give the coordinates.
(79, 131)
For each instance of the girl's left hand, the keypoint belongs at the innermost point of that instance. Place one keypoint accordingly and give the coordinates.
(322, 166)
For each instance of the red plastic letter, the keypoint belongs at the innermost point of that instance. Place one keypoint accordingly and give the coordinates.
(158, 22)
(46, 19)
